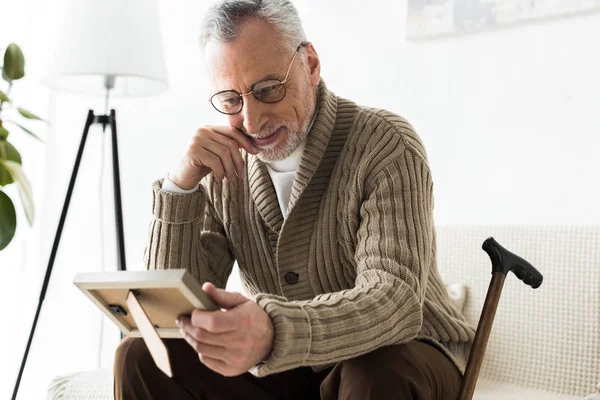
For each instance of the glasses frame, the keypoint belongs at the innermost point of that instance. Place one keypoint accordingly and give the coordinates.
(251, 92)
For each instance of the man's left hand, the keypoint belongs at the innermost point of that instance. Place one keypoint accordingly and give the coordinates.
(232, 340)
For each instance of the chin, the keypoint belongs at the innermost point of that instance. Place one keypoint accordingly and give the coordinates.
(272, 155)
(280, 151)
(276, 153)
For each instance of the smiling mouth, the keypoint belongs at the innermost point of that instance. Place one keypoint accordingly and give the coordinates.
(268, 136)
(267, 140)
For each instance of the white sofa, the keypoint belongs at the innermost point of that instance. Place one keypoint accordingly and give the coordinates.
(545, 343)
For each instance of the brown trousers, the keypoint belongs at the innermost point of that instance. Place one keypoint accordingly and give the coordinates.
(415, 370)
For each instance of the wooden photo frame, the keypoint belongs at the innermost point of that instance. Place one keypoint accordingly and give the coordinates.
(162, 294)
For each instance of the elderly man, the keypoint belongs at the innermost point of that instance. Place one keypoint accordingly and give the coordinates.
(327, 208)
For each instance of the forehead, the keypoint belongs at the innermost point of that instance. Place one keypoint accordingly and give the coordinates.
(256, 54)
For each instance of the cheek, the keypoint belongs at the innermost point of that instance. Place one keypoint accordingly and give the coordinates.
(291, 106)
(282, 111)
(236, 120)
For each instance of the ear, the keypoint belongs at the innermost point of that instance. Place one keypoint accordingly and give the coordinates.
(313, 63)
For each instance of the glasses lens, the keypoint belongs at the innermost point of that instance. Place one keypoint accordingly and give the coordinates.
(270, 91)
(228, 102)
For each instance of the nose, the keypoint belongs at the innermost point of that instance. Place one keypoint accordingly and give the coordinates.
(254, 119)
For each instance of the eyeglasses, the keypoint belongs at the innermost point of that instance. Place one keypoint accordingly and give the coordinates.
(269, 91)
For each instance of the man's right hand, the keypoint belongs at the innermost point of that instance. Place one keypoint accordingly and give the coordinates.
(216, 149)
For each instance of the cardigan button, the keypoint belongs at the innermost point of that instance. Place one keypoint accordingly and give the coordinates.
(291, 278)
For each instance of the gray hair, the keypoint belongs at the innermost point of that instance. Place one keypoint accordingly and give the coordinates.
(222, 20)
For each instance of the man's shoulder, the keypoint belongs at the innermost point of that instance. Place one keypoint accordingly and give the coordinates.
(376, 116)
(377, 125)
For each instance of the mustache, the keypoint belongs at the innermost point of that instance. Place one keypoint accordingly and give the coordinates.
(268, 131)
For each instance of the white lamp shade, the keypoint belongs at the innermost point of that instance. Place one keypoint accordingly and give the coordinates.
(100, 38)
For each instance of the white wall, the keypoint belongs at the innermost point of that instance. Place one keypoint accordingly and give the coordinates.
(509, 119)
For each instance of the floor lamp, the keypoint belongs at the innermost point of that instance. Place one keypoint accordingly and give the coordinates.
(106, 47)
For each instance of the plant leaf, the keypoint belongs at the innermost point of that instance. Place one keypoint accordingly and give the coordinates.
(3, 133)
(28, 115)
(24, 187)
(4, 97)
(6, 78)
(26, 130)
(8, 220)
(7, 152)
(14, 62)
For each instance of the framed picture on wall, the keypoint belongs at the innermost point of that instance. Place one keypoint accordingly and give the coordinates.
(432, 18)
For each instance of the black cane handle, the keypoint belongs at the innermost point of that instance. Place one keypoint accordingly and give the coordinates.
(504, 261)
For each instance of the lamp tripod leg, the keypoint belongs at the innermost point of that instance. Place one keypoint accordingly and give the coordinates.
(117, 192)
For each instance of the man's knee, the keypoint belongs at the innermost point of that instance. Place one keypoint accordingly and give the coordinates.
(131, 357)
(388, 372)
(380, 366)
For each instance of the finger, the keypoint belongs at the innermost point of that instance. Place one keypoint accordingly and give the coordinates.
(214, 321)
(213, 162)
(222, 297)
(201, 335)
(185, 326)
(216, 365)
(190, 340)
(204, 350)
(234, 151)
(216, 352)
(240, 137)
(223, 152)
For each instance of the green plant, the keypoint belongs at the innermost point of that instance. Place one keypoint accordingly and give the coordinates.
(10, 159)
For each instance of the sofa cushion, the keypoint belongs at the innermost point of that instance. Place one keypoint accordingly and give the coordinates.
(490, 390)
(88, 385)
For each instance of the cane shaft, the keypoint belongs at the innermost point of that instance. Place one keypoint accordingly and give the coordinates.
(481, 336)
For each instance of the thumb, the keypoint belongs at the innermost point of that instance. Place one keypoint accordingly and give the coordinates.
(222, 297)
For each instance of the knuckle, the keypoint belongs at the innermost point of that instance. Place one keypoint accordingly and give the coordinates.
(195, 314)
(191, 147)
(223, 152)
(211, 324)
(196, 334)
(196, 318)
(211, 157)
(196, 140)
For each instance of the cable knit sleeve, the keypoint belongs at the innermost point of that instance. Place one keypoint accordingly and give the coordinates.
(185, 232)
(394, 252)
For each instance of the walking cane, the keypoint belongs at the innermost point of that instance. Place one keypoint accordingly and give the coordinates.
(503, 261)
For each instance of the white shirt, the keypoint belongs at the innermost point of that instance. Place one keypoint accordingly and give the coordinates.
(283, 173)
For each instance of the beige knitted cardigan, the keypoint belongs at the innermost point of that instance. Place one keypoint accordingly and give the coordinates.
(359, 237)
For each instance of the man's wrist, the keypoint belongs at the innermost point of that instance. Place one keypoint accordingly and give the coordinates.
(172, 185)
